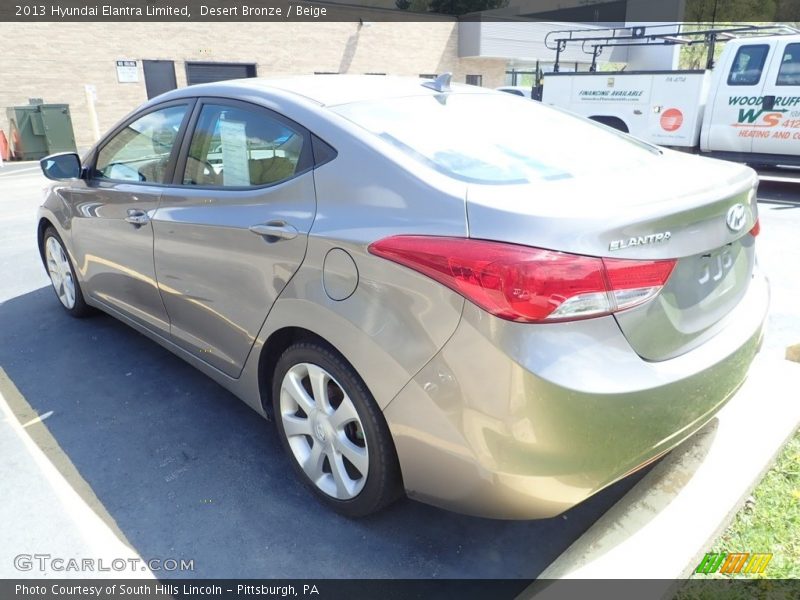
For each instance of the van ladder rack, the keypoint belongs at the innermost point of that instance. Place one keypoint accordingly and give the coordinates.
(593, 41)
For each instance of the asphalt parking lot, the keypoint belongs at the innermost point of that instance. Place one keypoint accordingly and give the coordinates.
(185, 470)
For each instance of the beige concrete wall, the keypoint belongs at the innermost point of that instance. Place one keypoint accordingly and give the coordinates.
(54, 61)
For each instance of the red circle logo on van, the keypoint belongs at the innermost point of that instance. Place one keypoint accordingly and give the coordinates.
(671, 119)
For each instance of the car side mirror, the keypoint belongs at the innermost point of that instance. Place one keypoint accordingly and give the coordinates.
(66, 165)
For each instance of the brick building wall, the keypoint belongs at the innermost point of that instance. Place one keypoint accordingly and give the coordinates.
(55, 61)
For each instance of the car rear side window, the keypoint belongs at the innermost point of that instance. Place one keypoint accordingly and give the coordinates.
(789, 73)
(748, 65)
(142, 149)
(238, 147)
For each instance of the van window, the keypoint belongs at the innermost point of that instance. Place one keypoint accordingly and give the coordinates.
(748, 64)
(789, 73)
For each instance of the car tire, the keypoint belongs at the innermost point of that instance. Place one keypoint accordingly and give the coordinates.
(62, 275)
(333, 431)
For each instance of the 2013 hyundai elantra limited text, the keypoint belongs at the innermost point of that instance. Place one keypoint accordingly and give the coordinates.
(488, 304)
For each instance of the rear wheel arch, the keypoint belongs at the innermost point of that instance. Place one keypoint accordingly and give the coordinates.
(273, 348)
(338, 440)
(613, 122)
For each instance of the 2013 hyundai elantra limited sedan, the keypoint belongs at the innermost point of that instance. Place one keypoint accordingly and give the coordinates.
(488, 304)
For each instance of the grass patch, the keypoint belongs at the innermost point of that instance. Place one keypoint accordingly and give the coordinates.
(770, 520)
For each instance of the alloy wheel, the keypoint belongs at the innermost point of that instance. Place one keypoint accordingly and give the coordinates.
(60, 272)
(324, 431)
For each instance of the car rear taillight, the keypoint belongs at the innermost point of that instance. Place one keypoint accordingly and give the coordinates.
(756, 228)
(525, 284)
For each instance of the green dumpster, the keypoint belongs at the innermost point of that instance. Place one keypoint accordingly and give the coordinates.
(40, 129)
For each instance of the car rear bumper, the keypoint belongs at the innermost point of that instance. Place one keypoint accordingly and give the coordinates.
(523, 421)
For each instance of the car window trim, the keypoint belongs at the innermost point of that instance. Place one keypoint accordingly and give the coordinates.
(190, 104)
(323, 151)
(306, 154)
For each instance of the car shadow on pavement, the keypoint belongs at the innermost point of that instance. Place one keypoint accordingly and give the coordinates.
(187, 471)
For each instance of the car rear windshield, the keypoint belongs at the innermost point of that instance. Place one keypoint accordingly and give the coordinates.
(496, 138)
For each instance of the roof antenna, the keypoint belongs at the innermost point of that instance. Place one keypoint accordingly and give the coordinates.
(441, 83)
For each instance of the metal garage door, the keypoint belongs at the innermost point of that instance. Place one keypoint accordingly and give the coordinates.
(205, 72)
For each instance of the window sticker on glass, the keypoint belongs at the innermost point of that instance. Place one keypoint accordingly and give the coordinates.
(234, 153)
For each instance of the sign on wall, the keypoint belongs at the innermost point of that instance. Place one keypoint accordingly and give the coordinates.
(127, 71)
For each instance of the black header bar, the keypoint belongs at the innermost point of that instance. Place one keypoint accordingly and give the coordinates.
(606, 12)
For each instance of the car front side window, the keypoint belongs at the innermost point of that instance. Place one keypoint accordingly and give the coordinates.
(239, 147)
(141, 150)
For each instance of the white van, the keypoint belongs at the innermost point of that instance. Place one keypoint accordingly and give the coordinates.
(746, 109)
(753, 109)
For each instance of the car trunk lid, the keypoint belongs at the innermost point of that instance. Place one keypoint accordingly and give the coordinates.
(669, 207)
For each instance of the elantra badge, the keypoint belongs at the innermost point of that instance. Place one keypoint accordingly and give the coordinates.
(736, 218)
(640, 240)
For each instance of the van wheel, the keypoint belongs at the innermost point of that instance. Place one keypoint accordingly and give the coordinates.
(613, 122)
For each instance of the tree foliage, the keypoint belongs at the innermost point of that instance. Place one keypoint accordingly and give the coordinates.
(789, 11)
(706, 11)
(462, 7)
(695, 56)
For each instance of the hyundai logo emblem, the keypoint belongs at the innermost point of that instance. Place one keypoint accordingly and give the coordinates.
(737, 217)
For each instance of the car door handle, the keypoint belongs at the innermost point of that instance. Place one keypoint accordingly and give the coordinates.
(768, 102)
(137, 217)
(277, 230)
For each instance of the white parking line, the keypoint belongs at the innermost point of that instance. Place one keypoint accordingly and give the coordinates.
(100, 536)
(4, 173)
(38, 419)
(780, 179)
